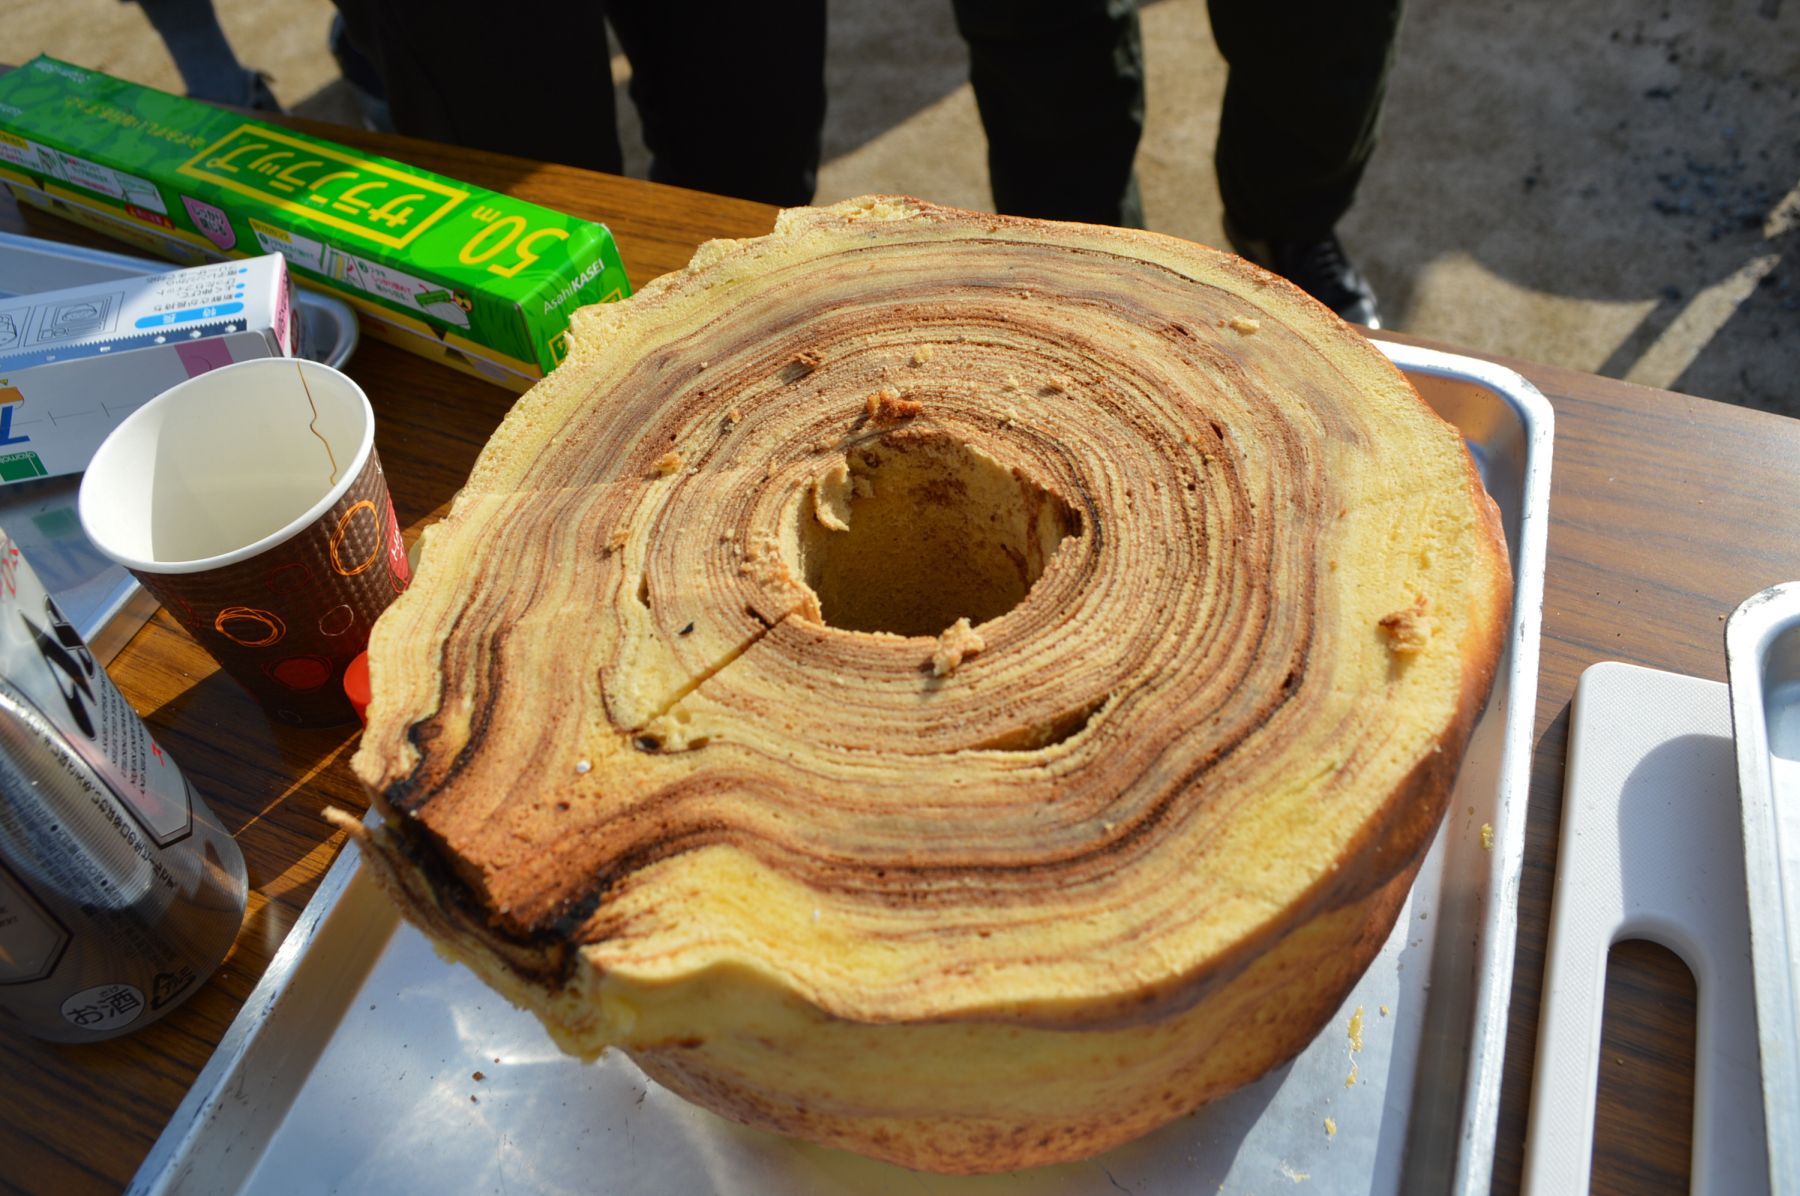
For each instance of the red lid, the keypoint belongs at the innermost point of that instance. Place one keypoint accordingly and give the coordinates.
(356, 685)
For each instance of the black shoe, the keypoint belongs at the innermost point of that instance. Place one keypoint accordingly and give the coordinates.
(236, 87)
(1317, 266)
(260, 98)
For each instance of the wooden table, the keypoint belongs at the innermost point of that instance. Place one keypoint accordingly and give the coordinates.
(1666, 512)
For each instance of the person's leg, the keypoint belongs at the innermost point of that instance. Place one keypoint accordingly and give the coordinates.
(361, 76)
(209, 67)
(1302, 108)
(731, 95)
(459, 71)
(1302, 111)
(1060, 87)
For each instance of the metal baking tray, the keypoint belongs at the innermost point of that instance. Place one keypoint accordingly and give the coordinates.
(102, 600)
(1762, 649)
(364, 1063)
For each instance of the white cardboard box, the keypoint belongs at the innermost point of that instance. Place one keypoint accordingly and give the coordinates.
(75, 363)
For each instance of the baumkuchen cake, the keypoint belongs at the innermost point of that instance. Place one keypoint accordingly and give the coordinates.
(964, 689)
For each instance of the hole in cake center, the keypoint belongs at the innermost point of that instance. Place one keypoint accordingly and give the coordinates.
(934, 531)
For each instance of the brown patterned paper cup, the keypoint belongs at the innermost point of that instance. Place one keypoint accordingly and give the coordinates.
(249, 501)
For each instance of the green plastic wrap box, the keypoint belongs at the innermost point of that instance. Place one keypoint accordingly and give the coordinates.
(482, 280)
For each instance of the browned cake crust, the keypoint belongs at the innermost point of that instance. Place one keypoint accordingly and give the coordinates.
(961, 688)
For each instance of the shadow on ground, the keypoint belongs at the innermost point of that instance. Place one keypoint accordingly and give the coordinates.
(1625, 175)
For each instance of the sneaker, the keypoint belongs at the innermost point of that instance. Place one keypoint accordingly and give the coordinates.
(1317, 266)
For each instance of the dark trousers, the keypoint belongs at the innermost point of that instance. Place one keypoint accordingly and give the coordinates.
(731, 95)
(1302, 108)
(1060, 87)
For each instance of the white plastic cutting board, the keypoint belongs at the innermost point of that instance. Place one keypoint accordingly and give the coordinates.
(1651, 848)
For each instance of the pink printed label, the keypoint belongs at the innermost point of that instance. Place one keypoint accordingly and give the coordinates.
(199, 356)
(212, 222)
(287, 319)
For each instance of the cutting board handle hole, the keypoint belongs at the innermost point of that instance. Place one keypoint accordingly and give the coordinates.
(1632, 1151)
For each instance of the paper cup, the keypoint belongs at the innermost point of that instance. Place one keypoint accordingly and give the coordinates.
(250, 502)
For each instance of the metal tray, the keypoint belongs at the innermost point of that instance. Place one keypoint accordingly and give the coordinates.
(365, 1063)
(1762, 649)
(102, 600)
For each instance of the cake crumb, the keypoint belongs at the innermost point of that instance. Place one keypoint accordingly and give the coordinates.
(1487, 836)
(886, 406)
(808, 360)
(763, 562)
(1384, 1011)
(1330, 1128)
(1298, 1177)
(921, 355)
(1356, 1029)
(1408, 630)
(617, 540)
(1244, 325)
(480, 1076)
(958, 641)
(669, 463)
(831, 492)
(734, 416)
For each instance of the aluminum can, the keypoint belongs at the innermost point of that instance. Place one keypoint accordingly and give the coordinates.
(120, 893)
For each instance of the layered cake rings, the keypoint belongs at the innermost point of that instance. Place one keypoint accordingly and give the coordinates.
(959, 688)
